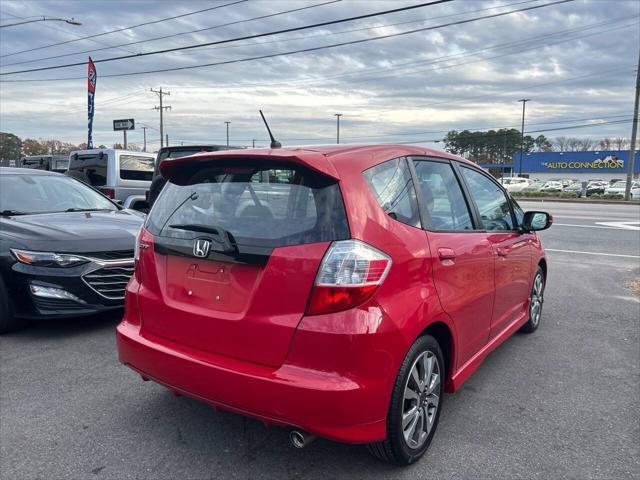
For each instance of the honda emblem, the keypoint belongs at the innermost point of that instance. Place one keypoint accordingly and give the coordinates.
(201, 248)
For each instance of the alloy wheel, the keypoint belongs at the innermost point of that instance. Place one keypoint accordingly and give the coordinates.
(536, 299)
(421, 399)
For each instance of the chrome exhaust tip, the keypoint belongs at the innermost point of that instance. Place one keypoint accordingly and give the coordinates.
(300, 439)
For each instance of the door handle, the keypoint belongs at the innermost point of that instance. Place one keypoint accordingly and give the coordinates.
(446, 254)
(502, 252)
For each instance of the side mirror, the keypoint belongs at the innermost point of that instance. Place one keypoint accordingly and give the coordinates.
(535, 221)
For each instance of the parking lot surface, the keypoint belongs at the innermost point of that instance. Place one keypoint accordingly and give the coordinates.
(561, 403)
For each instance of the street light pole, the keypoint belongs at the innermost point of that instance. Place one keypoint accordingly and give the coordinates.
(634, 132)
(70, 21)
(337, 115)
(524, 103)
(227, 132)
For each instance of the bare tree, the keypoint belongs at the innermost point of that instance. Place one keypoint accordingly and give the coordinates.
(586, 144)
(605, 143)
(621, 143)
(574, 144)
(560, 144)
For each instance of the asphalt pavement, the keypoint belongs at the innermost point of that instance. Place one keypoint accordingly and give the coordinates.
(561, 403)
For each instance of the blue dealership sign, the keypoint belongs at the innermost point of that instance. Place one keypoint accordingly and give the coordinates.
(604, 161)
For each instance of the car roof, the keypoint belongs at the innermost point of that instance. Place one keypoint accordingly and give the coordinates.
(325, 159)
(25, 171)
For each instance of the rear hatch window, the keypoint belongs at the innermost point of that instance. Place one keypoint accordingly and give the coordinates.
(260, 207)
(93, 165)
(136, 167)
(236, 249)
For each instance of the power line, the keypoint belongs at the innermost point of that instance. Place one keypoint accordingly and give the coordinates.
(52, 27)
(163, 37)
(306, 50)
(433, 140)
(402, 134)
(246, 37)
(124, 28)
(393, 70)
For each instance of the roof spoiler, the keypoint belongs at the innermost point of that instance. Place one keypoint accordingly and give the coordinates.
(312, 160)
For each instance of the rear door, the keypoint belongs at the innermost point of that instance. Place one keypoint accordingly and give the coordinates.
(236, 251)
(462, 256)
(512, 249)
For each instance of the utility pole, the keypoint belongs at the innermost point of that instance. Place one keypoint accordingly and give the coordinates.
(144, 136)
(253, 143)
(634, 132)
(524, 103)
(337, 115)
(161, 94)
(166, 136)
(227, 132)
(125, 139)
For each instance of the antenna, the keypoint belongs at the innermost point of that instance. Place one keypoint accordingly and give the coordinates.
(274, 142)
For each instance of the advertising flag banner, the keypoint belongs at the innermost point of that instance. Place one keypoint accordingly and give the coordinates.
(91, 88)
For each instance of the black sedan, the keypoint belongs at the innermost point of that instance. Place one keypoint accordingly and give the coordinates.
(65, 249)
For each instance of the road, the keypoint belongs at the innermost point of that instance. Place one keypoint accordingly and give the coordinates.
(561, 403)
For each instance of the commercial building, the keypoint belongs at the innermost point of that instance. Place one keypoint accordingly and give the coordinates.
(582, 166)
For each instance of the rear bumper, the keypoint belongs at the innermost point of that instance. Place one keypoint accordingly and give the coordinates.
(323, 403)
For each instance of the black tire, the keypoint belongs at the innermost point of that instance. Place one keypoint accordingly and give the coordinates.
(534, 317)
(8, 321)
(394, 449)
(78, 175)
(157, 184)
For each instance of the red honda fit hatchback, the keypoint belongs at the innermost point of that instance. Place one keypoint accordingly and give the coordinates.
(338, 290)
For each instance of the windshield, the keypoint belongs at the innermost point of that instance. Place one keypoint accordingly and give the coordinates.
(620, 185)
(28, 194)
(257, 205)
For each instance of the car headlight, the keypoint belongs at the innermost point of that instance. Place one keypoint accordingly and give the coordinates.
(47, 259)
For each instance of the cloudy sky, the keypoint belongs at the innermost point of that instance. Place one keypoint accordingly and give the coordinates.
(576, 62)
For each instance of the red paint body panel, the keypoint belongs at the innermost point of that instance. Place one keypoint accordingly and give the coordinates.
(256, 353)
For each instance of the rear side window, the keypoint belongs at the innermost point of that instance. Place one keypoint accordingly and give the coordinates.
(259, 206)
(442, 196)
(136, 167)
(491, 201)
(94, 166)
(392, 185)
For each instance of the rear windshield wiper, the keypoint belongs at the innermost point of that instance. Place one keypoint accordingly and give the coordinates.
(191, 227)
(224, 241)
(10, 213)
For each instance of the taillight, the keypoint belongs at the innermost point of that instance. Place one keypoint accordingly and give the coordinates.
(139, 245)
(109, 192)
(350, 272)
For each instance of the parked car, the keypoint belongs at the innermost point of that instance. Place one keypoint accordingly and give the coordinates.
(515, 184)
(552, 187)
(575, 187)
(122, 175)
(52, 163)
(172, 152)
(335, 290)
(65, 249)
(534, 186)
(597, 187)
(619, 188)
